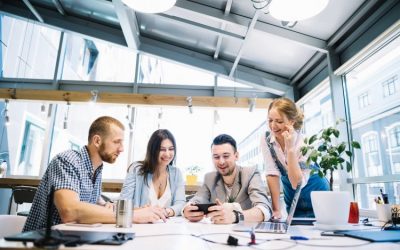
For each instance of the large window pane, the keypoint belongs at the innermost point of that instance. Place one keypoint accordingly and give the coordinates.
(74, 133)
(26, 47)
(154, 70)
(89, 60)
(374, 98)
(26, 134)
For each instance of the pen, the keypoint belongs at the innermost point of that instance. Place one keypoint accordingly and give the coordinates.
(384, 197)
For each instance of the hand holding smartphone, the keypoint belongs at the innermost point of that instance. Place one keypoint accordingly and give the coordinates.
(204, 207)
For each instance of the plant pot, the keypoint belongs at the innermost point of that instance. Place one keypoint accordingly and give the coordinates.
(191, 180)
(331, 207)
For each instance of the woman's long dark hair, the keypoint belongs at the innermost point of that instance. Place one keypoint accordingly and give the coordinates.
(150, 162)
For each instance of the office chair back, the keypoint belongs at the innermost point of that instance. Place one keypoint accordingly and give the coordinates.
(11, 224)
(21, 195)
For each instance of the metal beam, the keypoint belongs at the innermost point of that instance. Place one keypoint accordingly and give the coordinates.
(246, 38)
(68, 23)
(128, 22)
(59, 7)
(254, 78)
(33, 10)
(193, 10)
(314, 60)
(126, 87)
(217, 31)
(228, 7)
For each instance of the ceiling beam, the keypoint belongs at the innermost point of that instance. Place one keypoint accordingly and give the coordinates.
(126, 87)
(59, 7)
(254, 78)
(128, 22)
(246, 38)
(228, 7)
(33, 10)
(314, 60)
(196, 11)
(216, 31)
(125, 98)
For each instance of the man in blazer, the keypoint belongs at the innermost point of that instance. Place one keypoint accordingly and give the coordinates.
(238, 191)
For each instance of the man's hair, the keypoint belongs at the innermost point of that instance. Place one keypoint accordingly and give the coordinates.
(101, 126)
(224, 138)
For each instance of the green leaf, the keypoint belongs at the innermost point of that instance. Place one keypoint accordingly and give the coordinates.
(306, 140)
(312, 139)
(349, 153)
(304, 150)
(322, 148)
(355, 144)
(348, 166)
(336, 133)
(321, 174)
(341, 147)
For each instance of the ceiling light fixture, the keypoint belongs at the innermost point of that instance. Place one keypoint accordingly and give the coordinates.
(189, 103)
(150, 6)
(295, 10)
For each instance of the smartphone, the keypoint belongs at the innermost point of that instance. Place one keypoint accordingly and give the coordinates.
(204, 207)
(83, 225)
(333, 233)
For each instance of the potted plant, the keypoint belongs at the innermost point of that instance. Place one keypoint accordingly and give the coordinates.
(324, 150)
(191, 174)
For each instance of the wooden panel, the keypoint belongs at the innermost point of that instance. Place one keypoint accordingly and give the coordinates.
(108, 185)
(130, 98)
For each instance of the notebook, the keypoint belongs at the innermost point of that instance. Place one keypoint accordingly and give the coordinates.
(272, 227)
(375, 236)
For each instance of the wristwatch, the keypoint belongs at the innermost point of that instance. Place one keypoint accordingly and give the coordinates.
(239, 216)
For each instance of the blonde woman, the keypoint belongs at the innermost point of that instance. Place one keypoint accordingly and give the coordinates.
(284, 161)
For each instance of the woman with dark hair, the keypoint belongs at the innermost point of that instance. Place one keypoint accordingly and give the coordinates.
(155, 182)
(281, 147)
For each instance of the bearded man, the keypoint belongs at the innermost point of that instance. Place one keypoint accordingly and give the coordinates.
(75, 177)
(238, 192)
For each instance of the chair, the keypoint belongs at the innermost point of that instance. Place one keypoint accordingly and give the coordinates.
(21, 195)
(11, 224)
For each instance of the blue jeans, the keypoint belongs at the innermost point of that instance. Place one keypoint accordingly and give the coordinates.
(304, 206)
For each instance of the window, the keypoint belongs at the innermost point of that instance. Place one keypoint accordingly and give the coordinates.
(31, 149)
(89, 60)
(376, 127)
(27, 46)
(390, 86)
(363, 100)
(371, 154)
(394, 147)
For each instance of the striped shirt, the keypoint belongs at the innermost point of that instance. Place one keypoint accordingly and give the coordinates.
(71, 170)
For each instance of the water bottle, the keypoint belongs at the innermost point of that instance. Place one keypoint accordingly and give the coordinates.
(124, 213)
(3, 168)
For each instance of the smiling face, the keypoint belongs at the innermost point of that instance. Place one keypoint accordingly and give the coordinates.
(224, 158)
(112, 145)
(167, 152)
(278, 122)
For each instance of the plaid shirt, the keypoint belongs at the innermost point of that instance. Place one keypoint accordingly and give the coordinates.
(68, 170)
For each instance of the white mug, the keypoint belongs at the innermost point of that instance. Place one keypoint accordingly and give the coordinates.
(331, 207)
(383, 212)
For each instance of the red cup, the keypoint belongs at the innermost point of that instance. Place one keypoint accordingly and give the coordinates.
(354, 214)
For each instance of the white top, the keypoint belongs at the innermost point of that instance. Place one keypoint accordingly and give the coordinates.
(165, 199)
(271, 168)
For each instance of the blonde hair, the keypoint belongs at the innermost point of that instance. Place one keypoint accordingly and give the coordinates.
(289, 108)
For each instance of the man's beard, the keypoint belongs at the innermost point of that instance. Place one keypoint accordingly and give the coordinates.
(229, 173)
(107, 157)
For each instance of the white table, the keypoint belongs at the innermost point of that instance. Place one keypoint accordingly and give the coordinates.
(176, 234)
